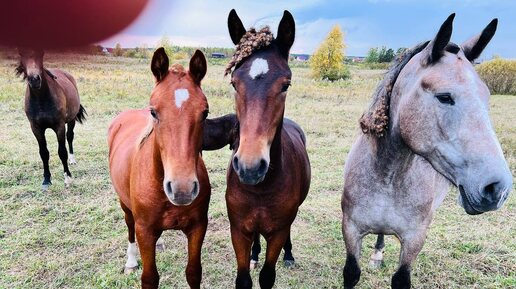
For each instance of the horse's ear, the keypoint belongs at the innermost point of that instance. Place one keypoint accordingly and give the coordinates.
(438, 44)
(159, 64)
(286, 32)
(198, 66)
(235, 26)
(474, 46)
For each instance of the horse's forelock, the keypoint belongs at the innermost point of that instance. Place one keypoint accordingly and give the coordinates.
(376, 119)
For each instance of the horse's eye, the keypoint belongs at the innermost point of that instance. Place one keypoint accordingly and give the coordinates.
(153, 113)
(445, 98)
(285, 87)
(205, 114)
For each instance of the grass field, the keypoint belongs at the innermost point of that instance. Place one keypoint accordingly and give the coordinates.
(76, 238)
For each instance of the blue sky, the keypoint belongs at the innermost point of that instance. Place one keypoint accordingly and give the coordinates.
(393, 23)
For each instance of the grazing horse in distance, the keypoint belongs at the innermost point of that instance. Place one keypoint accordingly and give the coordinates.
(427, 128)
(157, 170)
(269, 173)
(51, 101)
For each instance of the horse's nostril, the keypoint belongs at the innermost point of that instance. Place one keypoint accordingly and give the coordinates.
(491, 189)
(168, 187)
(235, 163)
(263, 166)
(37, 78)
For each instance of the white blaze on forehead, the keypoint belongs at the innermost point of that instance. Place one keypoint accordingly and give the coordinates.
(181, 95)
(259, 66)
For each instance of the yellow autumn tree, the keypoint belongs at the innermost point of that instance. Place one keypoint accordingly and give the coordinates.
(327, 62)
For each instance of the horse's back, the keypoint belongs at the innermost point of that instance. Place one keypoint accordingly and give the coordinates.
(124, 135)
(296, 148)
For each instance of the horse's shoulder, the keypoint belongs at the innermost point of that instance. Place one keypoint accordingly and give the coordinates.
(294, 130)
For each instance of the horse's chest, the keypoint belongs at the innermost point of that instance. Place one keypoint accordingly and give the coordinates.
(43, 114)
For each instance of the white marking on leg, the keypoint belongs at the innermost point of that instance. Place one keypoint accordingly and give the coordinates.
(67, 180)
(132, 254)
(181, 95)
(376, 259)
(258, 67)
(71, 159)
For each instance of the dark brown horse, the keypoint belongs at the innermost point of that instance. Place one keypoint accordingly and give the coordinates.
(51, 101)
(269, 173)
(156, 167)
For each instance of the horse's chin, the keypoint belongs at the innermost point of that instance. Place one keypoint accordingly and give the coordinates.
(465, 203)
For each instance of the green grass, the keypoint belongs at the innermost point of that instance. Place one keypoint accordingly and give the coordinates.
(76, 238)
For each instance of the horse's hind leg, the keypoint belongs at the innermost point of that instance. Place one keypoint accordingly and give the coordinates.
(288, 259)
(255, 251)
(376, 259)
(193, 268)
(69, 138)
(353, 241)
(274, 245)
(411, 245)
(44, 154)
(63, 154)
(132, 251)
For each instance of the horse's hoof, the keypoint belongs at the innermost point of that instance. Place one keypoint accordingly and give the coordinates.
(375, 264)
(160, 247)
(130, 270)
(289, 263)
(71, 159)
(44, 187)
(67, 180)
(253, 264)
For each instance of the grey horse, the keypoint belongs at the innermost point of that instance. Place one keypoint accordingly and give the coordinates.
(427, 128)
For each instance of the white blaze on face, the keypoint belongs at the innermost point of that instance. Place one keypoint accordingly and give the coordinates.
(181, 95)
(132, 253)
(258, 67)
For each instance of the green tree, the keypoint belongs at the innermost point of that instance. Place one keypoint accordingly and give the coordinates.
(327, 62)
(167, 44)
(372, 55)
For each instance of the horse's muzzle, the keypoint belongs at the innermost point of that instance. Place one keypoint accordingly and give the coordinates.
(490, 197)
(250, 175)
(180, 196)
(34, 81)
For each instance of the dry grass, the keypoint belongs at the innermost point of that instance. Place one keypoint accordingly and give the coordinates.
(76, 238)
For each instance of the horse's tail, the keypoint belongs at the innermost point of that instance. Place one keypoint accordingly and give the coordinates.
(81, 115)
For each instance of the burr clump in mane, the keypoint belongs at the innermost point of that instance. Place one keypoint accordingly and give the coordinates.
(251, 41)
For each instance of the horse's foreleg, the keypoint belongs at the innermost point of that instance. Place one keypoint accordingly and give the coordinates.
(44, 154)
(411, 245)
(274, 244)
(288, 258)
(242, 245)
(353, 240)
(147, 239)
(69, 138)
(376, 259)
(63, 154)
(194, 268)
(132, 251)
(255, 251)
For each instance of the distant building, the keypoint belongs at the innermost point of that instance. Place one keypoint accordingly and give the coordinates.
(218, 55)
(355, 59)
(301, 57)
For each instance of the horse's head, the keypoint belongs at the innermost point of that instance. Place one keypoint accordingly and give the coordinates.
(31, 66)
(178, 109)
(261, 79)
(439, 106)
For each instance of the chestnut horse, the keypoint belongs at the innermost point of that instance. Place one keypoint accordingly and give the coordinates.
(156, 167)
(427, 127)
(269, 174)
(51, 101)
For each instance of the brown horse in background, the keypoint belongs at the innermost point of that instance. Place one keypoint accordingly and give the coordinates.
(51, 101)
(269, 173)
(157, 170)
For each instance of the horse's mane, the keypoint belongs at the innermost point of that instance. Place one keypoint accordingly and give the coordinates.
(376, 119)
(250, 42)
(20, 70)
